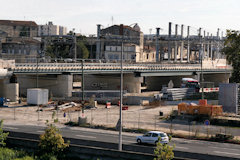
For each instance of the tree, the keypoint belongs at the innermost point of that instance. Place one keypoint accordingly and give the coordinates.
(232, 52)
(163, 152)
(3, 136)
(82, 50)
(51, 141)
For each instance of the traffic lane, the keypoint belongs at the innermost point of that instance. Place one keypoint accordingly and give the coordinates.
(180, 144)
(202, 128)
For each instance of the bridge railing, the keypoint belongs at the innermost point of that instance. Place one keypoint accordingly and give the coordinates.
(113, 66)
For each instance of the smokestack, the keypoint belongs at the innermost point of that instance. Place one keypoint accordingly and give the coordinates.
(157, 44)
(98, 41)
(169, 37)
(188, 45)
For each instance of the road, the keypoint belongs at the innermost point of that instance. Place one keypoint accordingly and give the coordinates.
(194, 146)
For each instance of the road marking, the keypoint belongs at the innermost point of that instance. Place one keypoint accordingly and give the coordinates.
(181, 147)
(40, 131)
(236, 154)
(9, 128)
(226, 148)
(86, 136)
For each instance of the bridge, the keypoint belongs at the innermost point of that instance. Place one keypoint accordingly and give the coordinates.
(60, 78)
(145, 69)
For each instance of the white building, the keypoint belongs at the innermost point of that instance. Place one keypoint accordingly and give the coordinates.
(131, 52)
(51, 29)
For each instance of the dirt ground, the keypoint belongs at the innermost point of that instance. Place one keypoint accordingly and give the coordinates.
(144, 117)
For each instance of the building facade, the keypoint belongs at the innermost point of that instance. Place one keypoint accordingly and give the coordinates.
(10, 28)
(51, 29)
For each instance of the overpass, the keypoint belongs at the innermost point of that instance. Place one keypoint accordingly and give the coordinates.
(59, 77)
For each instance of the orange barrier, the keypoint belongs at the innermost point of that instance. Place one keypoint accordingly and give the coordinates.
(202, 109)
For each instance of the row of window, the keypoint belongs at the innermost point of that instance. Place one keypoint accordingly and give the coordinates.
(116, 56)
(119, 48)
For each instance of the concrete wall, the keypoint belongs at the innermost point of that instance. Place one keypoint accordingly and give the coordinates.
(217, 78)
(58, 85)
(131, 83)
(228, 97)
(11, 91)
(156, 83)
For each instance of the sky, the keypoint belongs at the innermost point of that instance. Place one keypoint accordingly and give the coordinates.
(84, 15)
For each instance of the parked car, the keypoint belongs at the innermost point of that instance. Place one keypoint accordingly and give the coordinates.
(152, 137)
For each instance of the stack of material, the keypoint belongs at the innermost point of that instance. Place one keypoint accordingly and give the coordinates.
(177, 93)
(202, 109)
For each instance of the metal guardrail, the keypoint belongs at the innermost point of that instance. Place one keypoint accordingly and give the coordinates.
(74, 67)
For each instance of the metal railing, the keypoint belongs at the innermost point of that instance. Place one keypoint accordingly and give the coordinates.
(74, 67)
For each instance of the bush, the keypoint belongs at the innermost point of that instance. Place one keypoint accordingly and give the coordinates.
(51, 141)
(25, 158)
(223, 137)
(3, 136)
(7, 154)
(47, 157)
(163, 152)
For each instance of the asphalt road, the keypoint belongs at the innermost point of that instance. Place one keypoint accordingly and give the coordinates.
(195, 146)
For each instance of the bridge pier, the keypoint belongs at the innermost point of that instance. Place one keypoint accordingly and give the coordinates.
(64, 85)
(9, 90)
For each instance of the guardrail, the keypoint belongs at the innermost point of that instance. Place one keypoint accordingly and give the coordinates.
(74, 67)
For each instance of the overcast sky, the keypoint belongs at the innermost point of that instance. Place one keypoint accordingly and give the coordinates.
(83, 15)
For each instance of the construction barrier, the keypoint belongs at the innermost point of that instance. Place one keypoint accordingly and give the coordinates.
(108, 104)
(209, 89)
(202, 109)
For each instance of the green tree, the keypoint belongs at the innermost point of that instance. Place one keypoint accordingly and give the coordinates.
(232, 52)
(52, 142)
(3, 136)
(82, 50)
(163, 152)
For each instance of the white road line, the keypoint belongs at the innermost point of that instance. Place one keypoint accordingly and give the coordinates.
(86, 136)
(9, 128)
(236, 154)
(40, 131)
(226, 148)
(181, 147)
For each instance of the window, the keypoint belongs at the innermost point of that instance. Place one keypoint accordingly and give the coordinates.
(147, 135)
(163, 135)
(154, 135)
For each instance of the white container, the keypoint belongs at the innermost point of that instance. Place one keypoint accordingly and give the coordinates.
(37, 96)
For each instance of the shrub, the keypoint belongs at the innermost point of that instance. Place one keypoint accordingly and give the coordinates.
(3, 136)
(51, 141)
(7, 154)
(163, 152)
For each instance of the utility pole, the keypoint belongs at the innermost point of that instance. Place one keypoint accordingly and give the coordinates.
(201, 60)
(82, 91)
(121, 93)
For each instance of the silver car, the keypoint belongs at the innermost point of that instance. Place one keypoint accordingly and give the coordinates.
(152, 137)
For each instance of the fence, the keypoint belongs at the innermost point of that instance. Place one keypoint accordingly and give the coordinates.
(134, 119)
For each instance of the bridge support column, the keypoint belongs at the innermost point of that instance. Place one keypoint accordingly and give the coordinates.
(131, 83)
(9, 90)
(64, 85)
